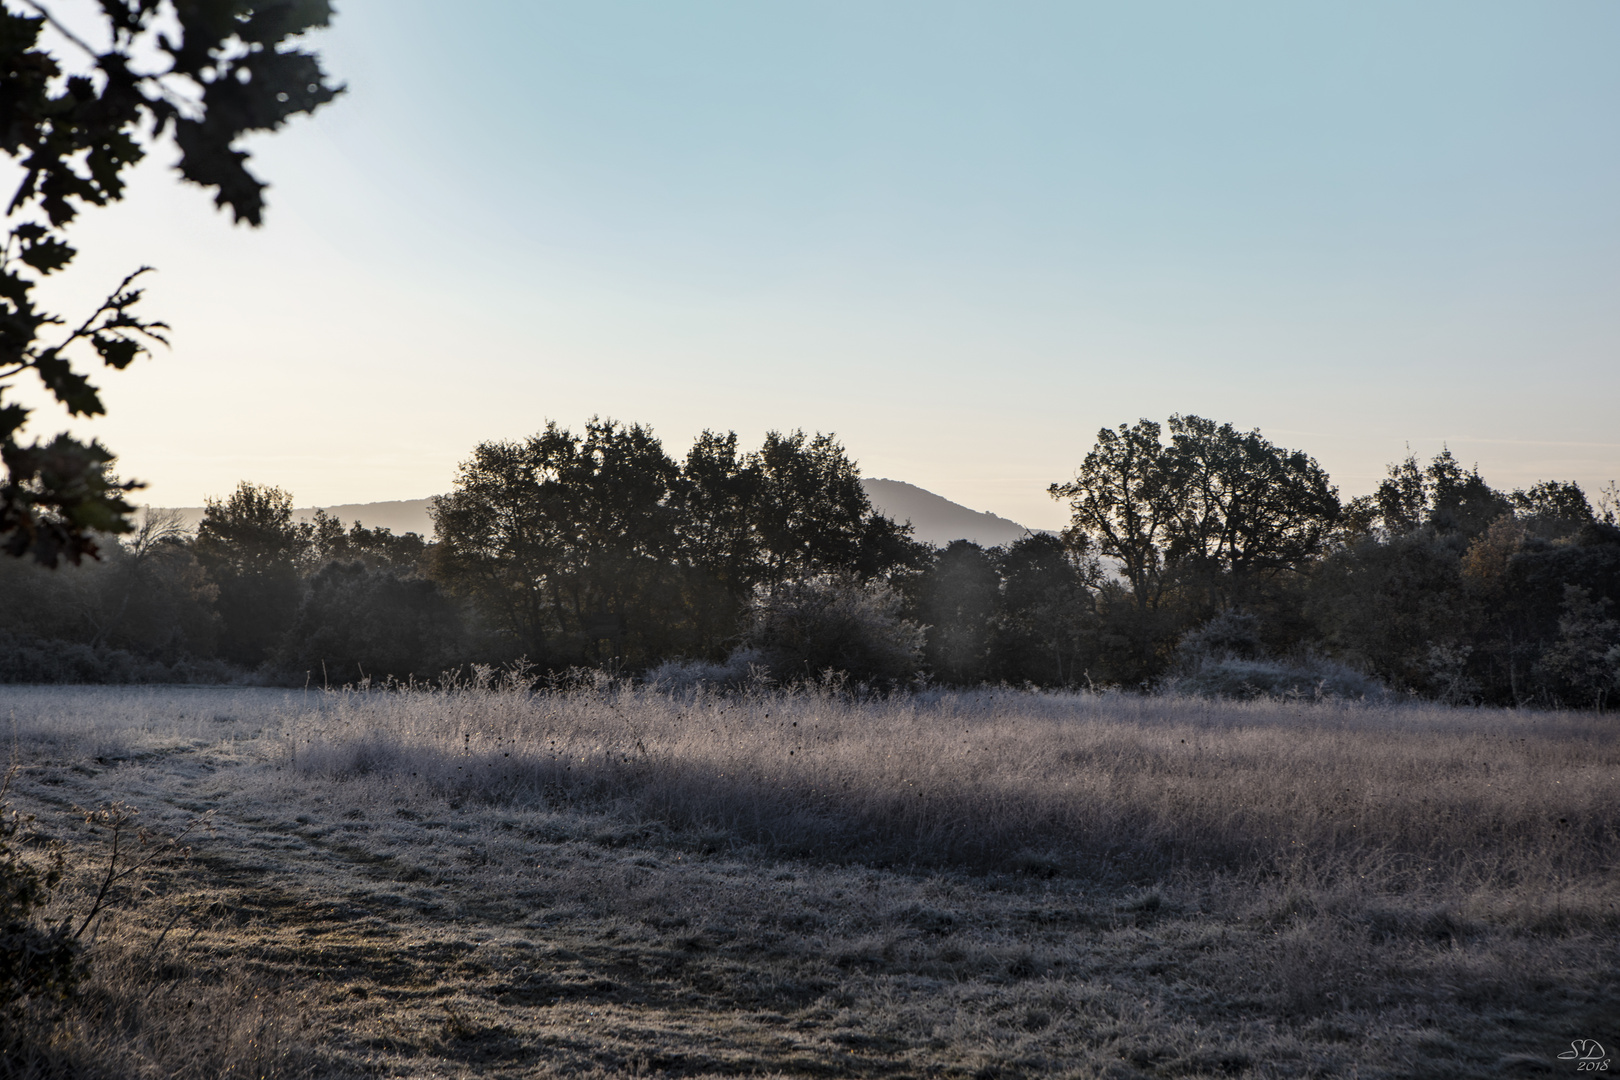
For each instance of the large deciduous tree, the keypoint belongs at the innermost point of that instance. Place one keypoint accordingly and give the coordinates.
(1247, 507)
(1124, 502)
(811, 514)
(1212, 502)
(201, 73)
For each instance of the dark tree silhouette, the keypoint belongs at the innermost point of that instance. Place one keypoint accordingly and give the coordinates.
(1046, 625)
(1124, 503)
(203, 73)
(1446, 498)
(957, 601)
(811, 511)
(569, 540)
(1214, 501)
(253, 549)
(1247, 506)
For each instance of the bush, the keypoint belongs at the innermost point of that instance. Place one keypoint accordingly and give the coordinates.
(25, 658)
(1229, 635)
(38, 961)
(1224, 658)
(1307, 677)
(735, 672)
(806, 629)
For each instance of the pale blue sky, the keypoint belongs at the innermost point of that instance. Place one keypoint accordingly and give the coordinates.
(963, 236)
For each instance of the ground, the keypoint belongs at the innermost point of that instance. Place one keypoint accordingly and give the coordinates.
(351, 903)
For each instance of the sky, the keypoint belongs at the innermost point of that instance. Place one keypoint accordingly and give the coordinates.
(963, 237)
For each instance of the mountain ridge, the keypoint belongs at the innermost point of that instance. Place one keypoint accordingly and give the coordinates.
(934, 519)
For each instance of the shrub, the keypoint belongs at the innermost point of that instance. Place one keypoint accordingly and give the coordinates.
(1229, 635)
(805, 629)
(1224, 658)
(25, 658)
(736, 671)
(1308, 677)
(38, 961)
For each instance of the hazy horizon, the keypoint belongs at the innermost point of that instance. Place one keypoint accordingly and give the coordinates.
(962, 238)
(934, 519)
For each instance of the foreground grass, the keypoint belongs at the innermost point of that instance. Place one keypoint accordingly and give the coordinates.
(994, 884)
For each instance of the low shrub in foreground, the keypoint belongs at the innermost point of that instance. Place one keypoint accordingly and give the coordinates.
(39, 969)
(804, 629)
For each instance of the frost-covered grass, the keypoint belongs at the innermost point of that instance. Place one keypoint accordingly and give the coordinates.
(794, 883)
(1104, 787)
(119, 721)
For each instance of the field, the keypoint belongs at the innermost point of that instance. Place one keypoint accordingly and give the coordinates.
(612, 881)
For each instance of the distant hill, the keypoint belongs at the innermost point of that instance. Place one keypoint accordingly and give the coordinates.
(407, 515)
(934, 519)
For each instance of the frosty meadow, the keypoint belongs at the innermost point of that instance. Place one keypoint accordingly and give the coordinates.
(615, 880)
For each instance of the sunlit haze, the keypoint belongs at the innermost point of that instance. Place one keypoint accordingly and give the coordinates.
(962, 236)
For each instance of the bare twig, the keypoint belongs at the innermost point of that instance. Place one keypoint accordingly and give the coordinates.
(61, 28)
(117, 817)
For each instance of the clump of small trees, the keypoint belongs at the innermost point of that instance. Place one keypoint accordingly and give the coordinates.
(1436, 584)
(1446, 587)
(581, 548)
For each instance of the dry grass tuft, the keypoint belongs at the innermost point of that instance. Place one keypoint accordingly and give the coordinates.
(168, 1014)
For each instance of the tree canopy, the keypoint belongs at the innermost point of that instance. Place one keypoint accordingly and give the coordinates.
(200, 74)
(573, 540)
(1213, 500)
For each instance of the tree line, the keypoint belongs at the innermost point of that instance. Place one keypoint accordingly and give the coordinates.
(1197, 556)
